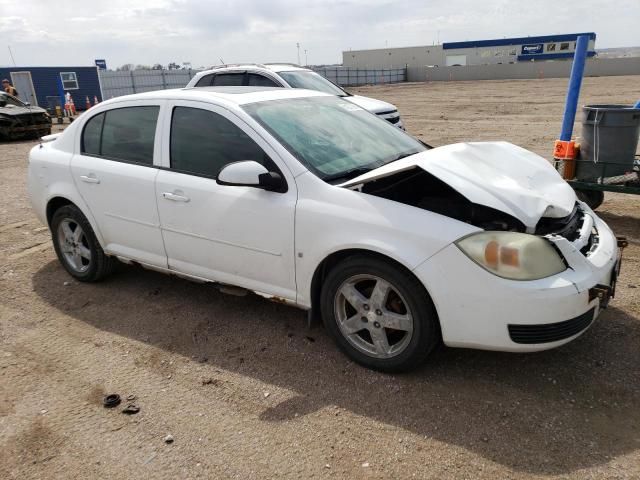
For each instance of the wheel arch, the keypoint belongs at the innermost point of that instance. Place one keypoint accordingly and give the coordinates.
(58, 201)
(331, 260)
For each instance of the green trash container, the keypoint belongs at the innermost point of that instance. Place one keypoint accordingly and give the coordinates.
(609, 141)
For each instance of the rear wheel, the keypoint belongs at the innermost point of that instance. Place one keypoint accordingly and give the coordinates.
(593, 198)
(379, 314)
(77, 246)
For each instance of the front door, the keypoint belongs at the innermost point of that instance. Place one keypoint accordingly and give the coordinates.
(115, 174)
(24, 85)
(237, 235)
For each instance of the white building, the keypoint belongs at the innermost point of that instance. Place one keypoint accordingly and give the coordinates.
(478, 52)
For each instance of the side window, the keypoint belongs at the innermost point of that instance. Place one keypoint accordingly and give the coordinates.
(92, 134)
(205, 81)
(128, 134)
(202, 142)
(256, 80)
(228, 79)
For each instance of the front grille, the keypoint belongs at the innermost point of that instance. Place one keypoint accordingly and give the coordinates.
(393, 120)
(550, 332)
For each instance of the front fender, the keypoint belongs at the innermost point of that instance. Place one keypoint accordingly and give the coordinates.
(330, 219)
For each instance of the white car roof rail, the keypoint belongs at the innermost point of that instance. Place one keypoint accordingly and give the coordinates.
(227, 65)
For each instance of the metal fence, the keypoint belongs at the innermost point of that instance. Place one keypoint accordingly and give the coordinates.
(116, 83)
(351, 76)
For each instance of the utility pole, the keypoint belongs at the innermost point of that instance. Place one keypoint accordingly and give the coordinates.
(11, 55)
(298, 46)
(306, 61)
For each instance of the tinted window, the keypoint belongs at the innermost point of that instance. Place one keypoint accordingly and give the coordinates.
(228, 79)
(205, 81)
(203, 142)
(256, 80)
(128, 134)
(91, 135)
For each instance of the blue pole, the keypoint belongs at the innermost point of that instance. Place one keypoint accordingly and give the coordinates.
(575, 81)
(637, 105)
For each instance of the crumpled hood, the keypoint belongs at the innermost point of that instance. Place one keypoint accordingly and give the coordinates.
(371, 104)
(499, 175)
(12, 110)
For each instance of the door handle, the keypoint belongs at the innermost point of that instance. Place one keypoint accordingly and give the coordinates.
(175, 197)
(91, 178)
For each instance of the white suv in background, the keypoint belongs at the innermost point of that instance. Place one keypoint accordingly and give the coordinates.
(286, 75)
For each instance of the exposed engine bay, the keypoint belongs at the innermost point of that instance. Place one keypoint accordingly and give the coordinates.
(419, 188)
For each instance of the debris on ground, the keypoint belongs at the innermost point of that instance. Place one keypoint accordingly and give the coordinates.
(131, 409)
(168, 439)
(112, 400)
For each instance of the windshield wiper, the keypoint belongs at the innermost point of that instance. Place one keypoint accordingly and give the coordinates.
(400, 157)
(349, 174)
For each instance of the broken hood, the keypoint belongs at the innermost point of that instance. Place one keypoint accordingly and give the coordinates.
(499, 175)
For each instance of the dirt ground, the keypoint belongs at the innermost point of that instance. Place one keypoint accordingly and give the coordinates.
(248, 391)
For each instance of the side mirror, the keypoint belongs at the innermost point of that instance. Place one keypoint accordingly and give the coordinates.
(249, 173)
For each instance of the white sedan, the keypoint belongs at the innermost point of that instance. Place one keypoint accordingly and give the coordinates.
(306, 198)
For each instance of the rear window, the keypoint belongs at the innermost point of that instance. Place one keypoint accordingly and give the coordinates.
(126, 134)
(205, 81)
(228, 80)
(92, 134)
(256, 80)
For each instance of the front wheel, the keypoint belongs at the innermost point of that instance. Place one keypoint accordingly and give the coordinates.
(379, 314)
(77, 247)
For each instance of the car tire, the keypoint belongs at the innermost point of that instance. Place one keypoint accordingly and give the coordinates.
(359, 325)
(593, 198)
(79, 251)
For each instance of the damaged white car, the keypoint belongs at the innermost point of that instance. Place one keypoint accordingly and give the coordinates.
(306, 198)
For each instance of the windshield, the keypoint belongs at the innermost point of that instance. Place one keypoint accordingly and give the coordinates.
(333, 137)
(10, 100)
(312, 81)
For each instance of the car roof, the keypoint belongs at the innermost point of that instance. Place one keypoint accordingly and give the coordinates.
(273, 67)
(233, 95)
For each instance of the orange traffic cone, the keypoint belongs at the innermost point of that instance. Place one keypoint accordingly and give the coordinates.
(72, 105)
(87, 103)
(95, 100)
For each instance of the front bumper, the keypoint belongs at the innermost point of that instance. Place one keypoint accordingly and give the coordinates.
(477, 308)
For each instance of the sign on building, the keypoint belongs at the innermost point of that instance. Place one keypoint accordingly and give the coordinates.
(101, 64)
(532, 49)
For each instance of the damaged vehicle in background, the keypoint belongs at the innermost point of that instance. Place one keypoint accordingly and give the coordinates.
(19, 119)
(309, 199)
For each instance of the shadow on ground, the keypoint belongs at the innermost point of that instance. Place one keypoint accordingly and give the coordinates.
(546, 413)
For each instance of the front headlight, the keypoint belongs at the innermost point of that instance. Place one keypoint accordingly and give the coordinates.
(513, 255)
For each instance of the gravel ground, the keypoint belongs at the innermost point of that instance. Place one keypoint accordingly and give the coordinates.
(248, 391)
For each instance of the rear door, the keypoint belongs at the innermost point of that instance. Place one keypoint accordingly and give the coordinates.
(237, 235)
(115, 173)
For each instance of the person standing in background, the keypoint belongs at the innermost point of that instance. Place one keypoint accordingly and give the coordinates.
(8, 88)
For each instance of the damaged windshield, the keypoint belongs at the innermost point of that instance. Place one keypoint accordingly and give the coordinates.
(333, 137)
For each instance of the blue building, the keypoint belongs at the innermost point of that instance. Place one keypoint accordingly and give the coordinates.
(520, 49)
(46, 86)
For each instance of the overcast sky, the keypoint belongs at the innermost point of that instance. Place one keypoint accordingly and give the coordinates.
(75, 32)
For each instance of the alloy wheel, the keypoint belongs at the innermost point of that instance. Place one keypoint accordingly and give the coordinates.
(373, 316)
(74, 245)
